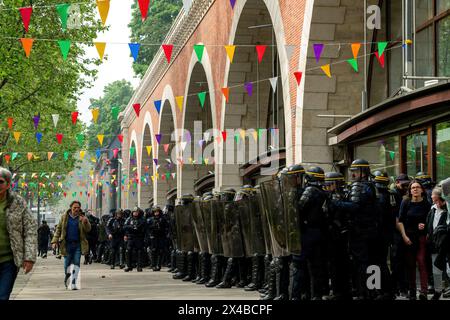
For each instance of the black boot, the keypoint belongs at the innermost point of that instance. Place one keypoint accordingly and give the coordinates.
(242, 267)
(139, 260)
(158, 260)
(228, 275)
(153, 259)
(129, 260)
(256, 282)
(122, 253)
(181, 265)
(196, 276)
(282, 279)
(204, 268)
(215, 273)
(173, 264)
(272, 283)
(190, 267)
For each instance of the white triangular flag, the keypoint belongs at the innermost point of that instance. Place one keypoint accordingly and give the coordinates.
(289, 50)
(120, 161)
(273, 83)
(206, 135)
(187, 5)
(183, 145)
(55, 119)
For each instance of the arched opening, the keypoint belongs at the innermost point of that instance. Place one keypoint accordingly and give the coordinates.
(166, 168)
(146, 169)
(198, 161)
(254, 116)
(133, 178)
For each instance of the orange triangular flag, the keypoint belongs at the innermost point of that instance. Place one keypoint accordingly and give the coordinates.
(326, 69)
(27, 43)
(17, 136)
(95, 113)
(230, 52)
(103, 9)
(30, 156)
(226, 93)
(49, 155)
(355, 49)
(100, 49)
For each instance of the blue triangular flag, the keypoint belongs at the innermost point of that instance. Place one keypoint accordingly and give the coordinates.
(158, 105)
(134, 47)
(98, 153)
(38, 137)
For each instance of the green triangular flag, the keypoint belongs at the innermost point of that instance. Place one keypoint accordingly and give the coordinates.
(381, 47)
(354, 63)
(42, 174)
(441, 160)
(132, 150)
(14, 155)
(66, 155)
(167, 175)
(236, 137)
(64, 45)
(199, 48)
(201, 97)
(115, 112)
(63, 14)
(392, 154)
(260, 131)
(80, 139)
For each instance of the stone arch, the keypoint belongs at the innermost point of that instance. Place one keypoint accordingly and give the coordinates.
(195, 121)
(167, 127)
(133, 174)
(146, 164)
(245, 68)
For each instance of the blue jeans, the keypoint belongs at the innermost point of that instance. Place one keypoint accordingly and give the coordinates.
(8, 274)
(73, 255)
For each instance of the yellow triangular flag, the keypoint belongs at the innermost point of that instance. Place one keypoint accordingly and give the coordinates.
(49, 155)
(30, 156)
(93, 160)
(100, 138)
(149, 150)
(230, 52)
(95, 113)
(153, 178)
(103, 9)
(243, 134)
(326, 69)
(17, 136)
(100, 49)
(206, 161)
(255, 135)
(82, 153)
(180, 102)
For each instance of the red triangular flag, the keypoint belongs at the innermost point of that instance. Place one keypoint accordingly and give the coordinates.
(260, 49)
(166, 148)
(168, 48)
(7, 158)
(26, 16)
(115, 151)
(226, 93)
(298, 76)
(10, 123)
(143, 5)
(59, 137)
(224, 135)
(137, 108)
(380, 59)
(74, 117)
(120, 137)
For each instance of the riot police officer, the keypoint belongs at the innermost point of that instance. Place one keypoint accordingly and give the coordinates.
(116, 232)
(92, 238)
(102, 238)
(134, 235)
(365, 223)
(313, 227)
(157, 227)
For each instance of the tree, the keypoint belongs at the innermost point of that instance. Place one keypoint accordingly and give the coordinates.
(43, 84)
(160, 17)
(115, 94)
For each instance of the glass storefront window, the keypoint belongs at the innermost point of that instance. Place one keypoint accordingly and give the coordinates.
(443, 38)
(417, 153)
(382, 155)
(424, 11)
(443, 5)
(424, 54)
(442, 150)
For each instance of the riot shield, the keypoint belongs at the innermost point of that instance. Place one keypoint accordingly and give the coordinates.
(264, 222)
(186, 230)
(291, 194)
(205, 207)
(199, 226)
(244, 215)
(217, 218)
(178, 213)
(257, 233)
(273, 201)
(232, 241)
(173, 229)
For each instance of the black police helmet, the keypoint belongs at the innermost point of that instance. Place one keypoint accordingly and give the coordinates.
(332, 177)
(381, 177)
(315, 174)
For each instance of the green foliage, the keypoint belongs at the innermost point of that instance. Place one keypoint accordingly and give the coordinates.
(160, 17)
(44, 83)
(115, 94)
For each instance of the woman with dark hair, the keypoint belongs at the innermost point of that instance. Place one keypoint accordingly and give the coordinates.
(412, 219)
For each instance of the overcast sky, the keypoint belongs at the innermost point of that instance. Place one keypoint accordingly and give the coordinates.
(119, 63)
